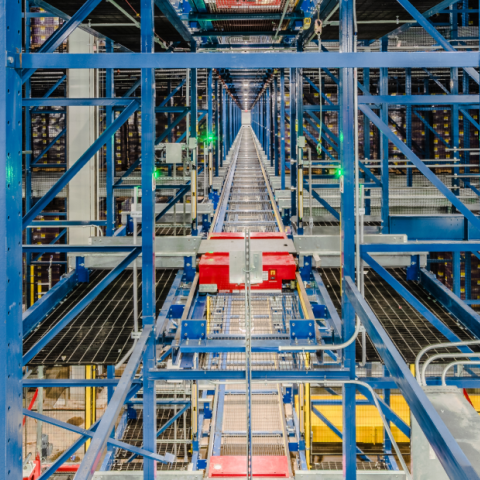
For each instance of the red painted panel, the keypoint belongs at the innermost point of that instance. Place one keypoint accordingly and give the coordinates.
(226, 466)
(214, 269)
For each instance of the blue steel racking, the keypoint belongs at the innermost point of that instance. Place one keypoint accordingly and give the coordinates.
(18, 67)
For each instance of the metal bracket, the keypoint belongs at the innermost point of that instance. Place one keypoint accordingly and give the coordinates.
(193, 330)
(302, 330)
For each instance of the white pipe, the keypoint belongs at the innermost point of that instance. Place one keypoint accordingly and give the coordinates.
(385, 424)
(450, 365)
(439, 345)
(316, 348)
(443, 355)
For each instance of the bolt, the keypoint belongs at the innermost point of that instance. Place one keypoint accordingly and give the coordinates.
(293, 324)
(201, 324)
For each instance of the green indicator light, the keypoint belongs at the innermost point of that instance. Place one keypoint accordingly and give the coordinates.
(339, 172)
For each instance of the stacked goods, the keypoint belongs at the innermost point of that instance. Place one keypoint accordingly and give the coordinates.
(41, 28)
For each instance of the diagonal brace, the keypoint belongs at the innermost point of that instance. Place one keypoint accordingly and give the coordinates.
(164, 427)
(107, 422)
(61, 34)
(456, 202)
(90, 433)
(435, 34)
(80, 163)
(336, 431)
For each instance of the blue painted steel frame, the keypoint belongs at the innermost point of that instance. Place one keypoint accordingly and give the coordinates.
(347, 234)
(11, 254)
(445, 446)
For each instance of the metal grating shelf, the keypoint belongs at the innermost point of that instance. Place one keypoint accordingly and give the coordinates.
(409, 331)
(101, 334)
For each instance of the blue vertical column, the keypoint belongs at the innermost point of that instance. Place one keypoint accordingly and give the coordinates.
(299, 105)
(230, 122)
(408, 121)
(28, 169)
(110, 151)
(275, 126)
(293, 140)
(194, 151)
(455, 143)
(384, 143)
(148, 236)
(282, 128)
(224, 125)
(169, 115)
(268, 128)
(366, 138)
(210, 126)
(11, 252)
(216, 136)
(347, 234)
(457, 273)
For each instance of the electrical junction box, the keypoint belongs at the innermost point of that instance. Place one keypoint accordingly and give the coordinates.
(226, 269)
(173, 153)
(192, 143)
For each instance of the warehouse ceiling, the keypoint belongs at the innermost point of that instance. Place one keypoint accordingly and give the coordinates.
(110, 12)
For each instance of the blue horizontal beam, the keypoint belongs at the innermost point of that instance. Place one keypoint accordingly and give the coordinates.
(80, 248)
(217, 17)
(379, 383)
(253, 33)
(44, 305)
(419, 99)
(451, 456)
(250, 61)
(73, 382)
(432, 227)
(76, 102)
(274, 375)
(68, 223)
(80, 306)
(416, 247)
